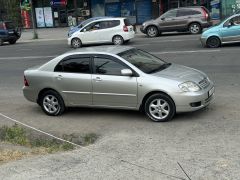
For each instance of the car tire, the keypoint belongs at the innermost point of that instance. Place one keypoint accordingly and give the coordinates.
(195, 28)
(1, 42)
(213, 42)
(117, 40)
(160, 107)
(76, 43)
(152, 31)
(13, 41)
(52, 103)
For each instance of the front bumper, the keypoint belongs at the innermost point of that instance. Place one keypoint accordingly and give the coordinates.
(203, 41)
(193, 101)
(143, 29)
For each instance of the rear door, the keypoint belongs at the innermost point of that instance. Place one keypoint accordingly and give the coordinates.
(184, 16)
(73, 79)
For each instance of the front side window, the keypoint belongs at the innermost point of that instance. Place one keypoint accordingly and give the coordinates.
(74, 65)
(236, 20)
(170, 14)
(107, 66)
(144, 61)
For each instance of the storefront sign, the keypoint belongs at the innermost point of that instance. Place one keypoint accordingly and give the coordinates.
(58, 3)
(39, 17)
(48, 16)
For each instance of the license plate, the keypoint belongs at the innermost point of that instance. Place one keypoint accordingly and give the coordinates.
(10, 32)
(210, 93)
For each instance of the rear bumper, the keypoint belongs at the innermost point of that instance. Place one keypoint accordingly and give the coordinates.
(29, 94)
(128, 35)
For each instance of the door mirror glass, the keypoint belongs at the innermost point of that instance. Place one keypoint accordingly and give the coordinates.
(126, 72)
(163, 18)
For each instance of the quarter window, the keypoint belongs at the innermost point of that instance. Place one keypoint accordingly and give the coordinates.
(74, 65)
(107, 66)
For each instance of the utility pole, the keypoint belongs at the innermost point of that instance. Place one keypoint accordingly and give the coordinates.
(35, 34)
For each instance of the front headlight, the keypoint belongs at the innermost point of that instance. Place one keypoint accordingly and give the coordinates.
(189, 86)
(143, 24)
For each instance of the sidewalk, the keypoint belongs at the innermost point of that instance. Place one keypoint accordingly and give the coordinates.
(50, 34)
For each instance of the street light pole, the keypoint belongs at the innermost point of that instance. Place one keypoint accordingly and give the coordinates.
(35, 34)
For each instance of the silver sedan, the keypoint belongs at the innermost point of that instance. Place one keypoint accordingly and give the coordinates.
(117, 77)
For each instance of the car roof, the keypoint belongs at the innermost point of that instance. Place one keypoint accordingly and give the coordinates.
(107, 49)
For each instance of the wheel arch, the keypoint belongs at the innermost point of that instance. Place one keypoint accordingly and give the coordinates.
(117, 35)
(45, 90)
(193, 22)
(150, 94)
(154, 26)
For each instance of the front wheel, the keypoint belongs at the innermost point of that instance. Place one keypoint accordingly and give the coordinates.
(13, 41)
(52, 103)
(152, 31)
(76, 43)
(195, 28)
(118, 40)
(213, 42)
(160, 108)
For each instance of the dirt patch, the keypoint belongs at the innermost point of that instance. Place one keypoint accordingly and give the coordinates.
(17, 142)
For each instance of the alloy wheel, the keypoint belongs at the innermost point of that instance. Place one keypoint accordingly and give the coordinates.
(76, 43)
(159, 109)
(51, 104)
(195, 28)
(118, 40)
(152, 31)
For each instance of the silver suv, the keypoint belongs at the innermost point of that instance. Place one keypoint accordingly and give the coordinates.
(192, 19)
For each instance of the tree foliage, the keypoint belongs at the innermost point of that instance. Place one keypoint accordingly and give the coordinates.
(10, 10)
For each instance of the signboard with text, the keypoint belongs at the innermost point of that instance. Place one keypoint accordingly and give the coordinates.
(58, 3)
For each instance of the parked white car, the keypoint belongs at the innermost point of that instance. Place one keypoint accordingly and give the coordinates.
(104, 30)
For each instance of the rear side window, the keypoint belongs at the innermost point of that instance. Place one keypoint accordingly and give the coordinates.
(170, 14)
(74, 65)
(109, 24)
(127, 22)
(187, 12)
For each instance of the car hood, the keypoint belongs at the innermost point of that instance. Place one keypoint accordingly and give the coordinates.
(181, 73)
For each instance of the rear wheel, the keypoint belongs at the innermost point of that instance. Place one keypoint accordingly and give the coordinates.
(195, 28)
(152, 31)
(1, 42)
(52, 103)
(160, 107)
(76, 43)
(13, 41)
(118, 40)
(213, 42)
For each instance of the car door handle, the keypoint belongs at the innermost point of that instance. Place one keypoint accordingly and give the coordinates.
(97, 79)
(59, 77)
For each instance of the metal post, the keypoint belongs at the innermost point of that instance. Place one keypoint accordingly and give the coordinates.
(35, 34)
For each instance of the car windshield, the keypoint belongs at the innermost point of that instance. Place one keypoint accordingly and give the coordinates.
(144, 61)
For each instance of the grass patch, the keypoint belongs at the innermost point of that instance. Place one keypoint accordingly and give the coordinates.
(38, 144)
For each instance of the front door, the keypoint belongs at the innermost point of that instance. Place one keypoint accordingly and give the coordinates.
(231, 30)
(168, 21)
(74, 79)
(110, 88)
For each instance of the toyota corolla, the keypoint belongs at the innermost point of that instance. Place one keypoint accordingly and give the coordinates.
(117, 77)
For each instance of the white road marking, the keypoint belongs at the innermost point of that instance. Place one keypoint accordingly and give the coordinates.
(26, 57)
(182, 52)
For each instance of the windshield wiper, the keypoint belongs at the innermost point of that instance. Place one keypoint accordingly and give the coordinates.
(162, 67)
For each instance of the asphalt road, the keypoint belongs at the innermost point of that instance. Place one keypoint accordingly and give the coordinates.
(206, 143)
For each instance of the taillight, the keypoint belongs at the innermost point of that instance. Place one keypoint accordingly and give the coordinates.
(25, 82)
(205, 13)
(4, 26)
(125, 28)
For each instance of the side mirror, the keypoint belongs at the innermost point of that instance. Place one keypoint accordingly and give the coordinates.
(126, 72)
(163, 18)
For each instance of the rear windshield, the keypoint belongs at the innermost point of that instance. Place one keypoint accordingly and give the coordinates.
(9, 25)
(127, 22)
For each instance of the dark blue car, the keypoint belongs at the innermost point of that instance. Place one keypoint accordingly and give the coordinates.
(9, 32)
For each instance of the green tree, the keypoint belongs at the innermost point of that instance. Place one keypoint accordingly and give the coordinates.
(10, 10)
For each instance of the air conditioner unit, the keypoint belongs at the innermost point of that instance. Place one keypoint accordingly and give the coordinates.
(85, 13)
